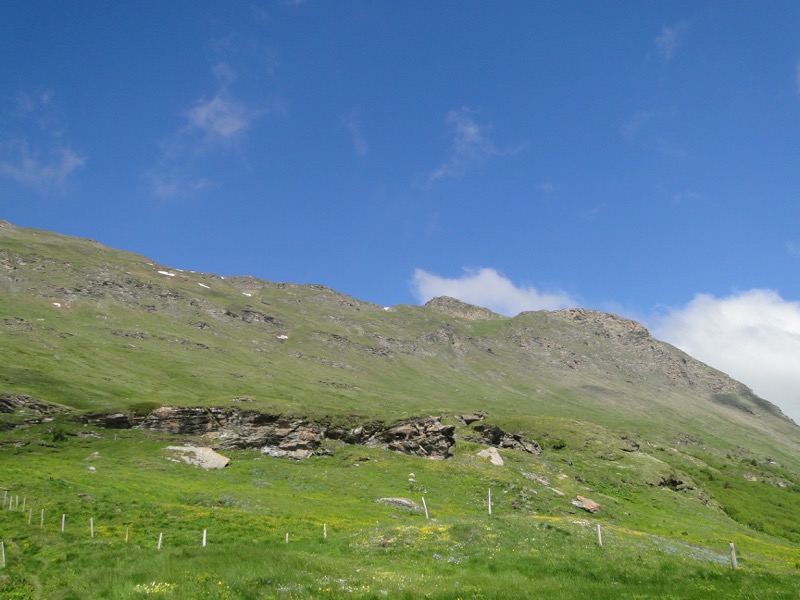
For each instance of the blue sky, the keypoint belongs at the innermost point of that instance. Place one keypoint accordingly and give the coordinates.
(633, 157)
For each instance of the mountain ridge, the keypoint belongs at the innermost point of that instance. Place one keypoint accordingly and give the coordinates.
(317, 350)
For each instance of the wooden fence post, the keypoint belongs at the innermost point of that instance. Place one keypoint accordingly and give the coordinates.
(91, 526)
(2, 555)
(599, 536)
(734, 562)
(160, 539)
(204, 538)
(490, 502)
(63, 520)
(425, 506)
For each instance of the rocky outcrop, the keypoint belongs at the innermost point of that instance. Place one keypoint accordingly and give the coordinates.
(469, 419)
(456, 308)
(11, 403)
(185, 420)
(421, 437)
(292, 437)
(492, 435)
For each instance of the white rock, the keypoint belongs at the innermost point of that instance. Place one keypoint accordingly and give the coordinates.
(200, 456)
(493, 455)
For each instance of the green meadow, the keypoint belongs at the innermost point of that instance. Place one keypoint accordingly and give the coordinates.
(121, 487)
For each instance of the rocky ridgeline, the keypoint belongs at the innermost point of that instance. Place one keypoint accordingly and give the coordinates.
(296, 437)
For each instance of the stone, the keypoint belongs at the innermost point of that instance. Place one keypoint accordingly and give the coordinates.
(117, 421)
(426, 437)
(493, 455)
(586, 504)
(494, 436)
(471, 418)
(199, 456)
(400, 502)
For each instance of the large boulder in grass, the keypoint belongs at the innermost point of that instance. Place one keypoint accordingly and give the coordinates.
(400, 503)
(198, 456)
(586, 504)
(493, 455)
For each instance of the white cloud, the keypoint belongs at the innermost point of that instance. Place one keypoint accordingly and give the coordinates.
(669, 39)
(487, 288)
(753, 336)
(472, 145)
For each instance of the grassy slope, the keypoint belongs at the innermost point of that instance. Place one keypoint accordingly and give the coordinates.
(127, 337)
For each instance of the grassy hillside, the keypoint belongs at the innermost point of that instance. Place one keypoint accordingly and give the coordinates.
(682, 459)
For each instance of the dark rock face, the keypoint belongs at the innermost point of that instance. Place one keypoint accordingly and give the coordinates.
(10, 403)
(471, 418)
(283, 437)
(292, 437)
(115, 421)
(492, 435)
(421, 437)
(183, 420)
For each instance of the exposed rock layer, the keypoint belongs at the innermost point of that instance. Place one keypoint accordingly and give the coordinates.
(293, 437)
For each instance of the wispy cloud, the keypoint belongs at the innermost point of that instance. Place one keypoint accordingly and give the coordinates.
(221, 118)
(797, 78)
(34, 151)
(669, 39)
(689, 196)
(754, 336)
(793, 248)
(632, 127)
(213, 126)
(487, 288)
(352, 123)
(472, 145)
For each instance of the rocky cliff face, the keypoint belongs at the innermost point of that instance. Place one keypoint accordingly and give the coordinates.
(294, 437)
